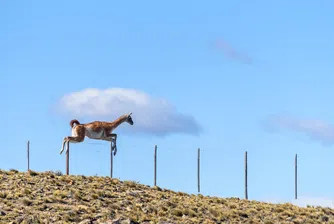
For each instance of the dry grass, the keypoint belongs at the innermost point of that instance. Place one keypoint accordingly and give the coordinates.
(51, 197)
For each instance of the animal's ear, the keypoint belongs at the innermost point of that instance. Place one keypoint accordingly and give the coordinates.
(129, 114)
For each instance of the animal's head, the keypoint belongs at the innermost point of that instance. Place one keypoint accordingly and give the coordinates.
(129, 118)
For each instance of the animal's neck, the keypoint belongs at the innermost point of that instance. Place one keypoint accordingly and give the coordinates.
(118, 121)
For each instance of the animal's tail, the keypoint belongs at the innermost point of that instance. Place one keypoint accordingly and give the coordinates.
(74, 121)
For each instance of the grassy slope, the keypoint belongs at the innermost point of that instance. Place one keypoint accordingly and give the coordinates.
(50, 198)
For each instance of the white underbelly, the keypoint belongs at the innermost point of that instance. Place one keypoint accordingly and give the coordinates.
(74, 133)
(94, 135)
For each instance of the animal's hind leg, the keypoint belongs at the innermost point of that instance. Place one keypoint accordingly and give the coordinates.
(72, 139)
(63, 146)
(80, 136)
(75, 139)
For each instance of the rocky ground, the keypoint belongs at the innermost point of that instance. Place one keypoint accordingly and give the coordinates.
(50, 197)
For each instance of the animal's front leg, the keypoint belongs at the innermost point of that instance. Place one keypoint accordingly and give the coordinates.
(113, 142)
(113, 137)
(115, 147)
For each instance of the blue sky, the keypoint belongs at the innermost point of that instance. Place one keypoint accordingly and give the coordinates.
(168, 51)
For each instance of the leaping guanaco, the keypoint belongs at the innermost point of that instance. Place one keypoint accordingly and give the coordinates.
(99, 130)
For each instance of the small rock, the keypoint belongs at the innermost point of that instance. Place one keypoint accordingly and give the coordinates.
(134, 193)
(123, 221)
(86, 221)
(116, 221)
(2, 213)
(128, 221)
(324, 219)
(128, 209)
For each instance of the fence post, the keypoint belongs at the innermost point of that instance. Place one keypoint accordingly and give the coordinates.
(155, 165)
(198, 170)
(28, 154)
(296, 176)
(68, 158)
(111, 159)
(246, 176)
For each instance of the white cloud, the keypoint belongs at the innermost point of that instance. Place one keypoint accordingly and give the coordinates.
(315, 128)
(150, 115)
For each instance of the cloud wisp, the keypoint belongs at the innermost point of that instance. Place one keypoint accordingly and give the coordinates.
(317, 129)
(232, 53)
(154, 116)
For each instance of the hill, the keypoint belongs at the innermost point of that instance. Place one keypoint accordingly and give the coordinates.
(50, 197)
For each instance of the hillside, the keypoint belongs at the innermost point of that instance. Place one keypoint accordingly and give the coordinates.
(50, 197)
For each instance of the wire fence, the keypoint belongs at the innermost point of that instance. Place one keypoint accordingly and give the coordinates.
(155, 159)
